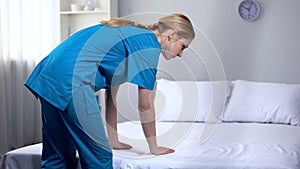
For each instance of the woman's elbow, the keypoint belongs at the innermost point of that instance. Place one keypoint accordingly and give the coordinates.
(145, 100)
(143, 107)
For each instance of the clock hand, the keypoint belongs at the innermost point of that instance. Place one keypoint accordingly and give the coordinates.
(246, 5)
(245, 9)
(252, 3)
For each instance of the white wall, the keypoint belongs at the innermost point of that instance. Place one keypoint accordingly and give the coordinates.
(227, 46)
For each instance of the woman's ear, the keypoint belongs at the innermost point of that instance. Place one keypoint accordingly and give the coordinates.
(170, 33)
(169, 38)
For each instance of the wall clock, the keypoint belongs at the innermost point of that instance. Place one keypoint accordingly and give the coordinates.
(249, 9)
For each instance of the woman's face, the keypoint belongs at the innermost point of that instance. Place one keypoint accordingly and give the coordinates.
(174, 47)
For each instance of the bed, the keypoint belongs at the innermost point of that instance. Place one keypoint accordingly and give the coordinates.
(232, 146)
(224, 125)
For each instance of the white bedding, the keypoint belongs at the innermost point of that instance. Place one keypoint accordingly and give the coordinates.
(232, 146)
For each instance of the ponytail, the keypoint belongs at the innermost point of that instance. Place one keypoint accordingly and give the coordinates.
(178, 22)
(117, 22)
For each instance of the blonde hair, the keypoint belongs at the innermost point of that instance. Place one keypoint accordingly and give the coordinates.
(178, 22)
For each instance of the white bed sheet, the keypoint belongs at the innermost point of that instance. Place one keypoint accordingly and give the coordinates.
(28, 157)
(232, 146)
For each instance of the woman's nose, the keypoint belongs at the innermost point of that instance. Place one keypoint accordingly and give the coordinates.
(179, 54)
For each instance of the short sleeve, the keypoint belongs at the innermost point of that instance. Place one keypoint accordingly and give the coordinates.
(142, 67)
(142, 51)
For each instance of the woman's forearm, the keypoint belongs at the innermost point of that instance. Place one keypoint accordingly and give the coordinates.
(147, 116)
(111, 115)
(148, 124)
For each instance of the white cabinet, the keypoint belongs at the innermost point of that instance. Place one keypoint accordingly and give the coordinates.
(76, 19)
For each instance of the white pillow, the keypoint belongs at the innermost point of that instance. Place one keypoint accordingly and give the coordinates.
(190, 100)
(168, 98)
(264, 102)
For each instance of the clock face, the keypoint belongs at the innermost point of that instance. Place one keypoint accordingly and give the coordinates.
(249, 9)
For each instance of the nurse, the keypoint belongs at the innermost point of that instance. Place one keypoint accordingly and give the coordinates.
(102, 57)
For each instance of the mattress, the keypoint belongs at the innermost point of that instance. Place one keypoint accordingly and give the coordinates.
(28, 157)
(231, 146)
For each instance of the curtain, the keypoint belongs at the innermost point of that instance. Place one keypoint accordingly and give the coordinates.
(29, 30)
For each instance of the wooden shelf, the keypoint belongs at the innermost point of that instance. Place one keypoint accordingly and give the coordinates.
(72, 21)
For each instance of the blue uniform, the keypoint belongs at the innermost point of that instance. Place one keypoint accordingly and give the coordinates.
(66, 80)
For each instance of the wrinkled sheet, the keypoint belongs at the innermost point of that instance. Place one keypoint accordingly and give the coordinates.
(231, 146)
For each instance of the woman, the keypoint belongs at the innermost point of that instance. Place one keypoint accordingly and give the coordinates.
(102, 56)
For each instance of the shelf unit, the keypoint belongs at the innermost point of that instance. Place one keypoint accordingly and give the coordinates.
(72, 21)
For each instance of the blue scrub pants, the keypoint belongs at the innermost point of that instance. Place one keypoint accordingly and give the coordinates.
(63, 134)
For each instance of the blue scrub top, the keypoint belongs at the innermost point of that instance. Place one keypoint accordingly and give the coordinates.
(94, 58)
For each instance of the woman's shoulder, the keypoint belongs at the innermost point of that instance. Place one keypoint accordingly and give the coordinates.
(141, 35)
(134, 30)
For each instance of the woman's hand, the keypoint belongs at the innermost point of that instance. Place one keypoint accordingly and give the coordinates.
(161, 150)
(117, 145)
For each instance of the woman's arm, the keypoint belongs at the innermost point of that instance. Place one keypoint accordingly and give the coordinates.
(111, 120)
(147, 116)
